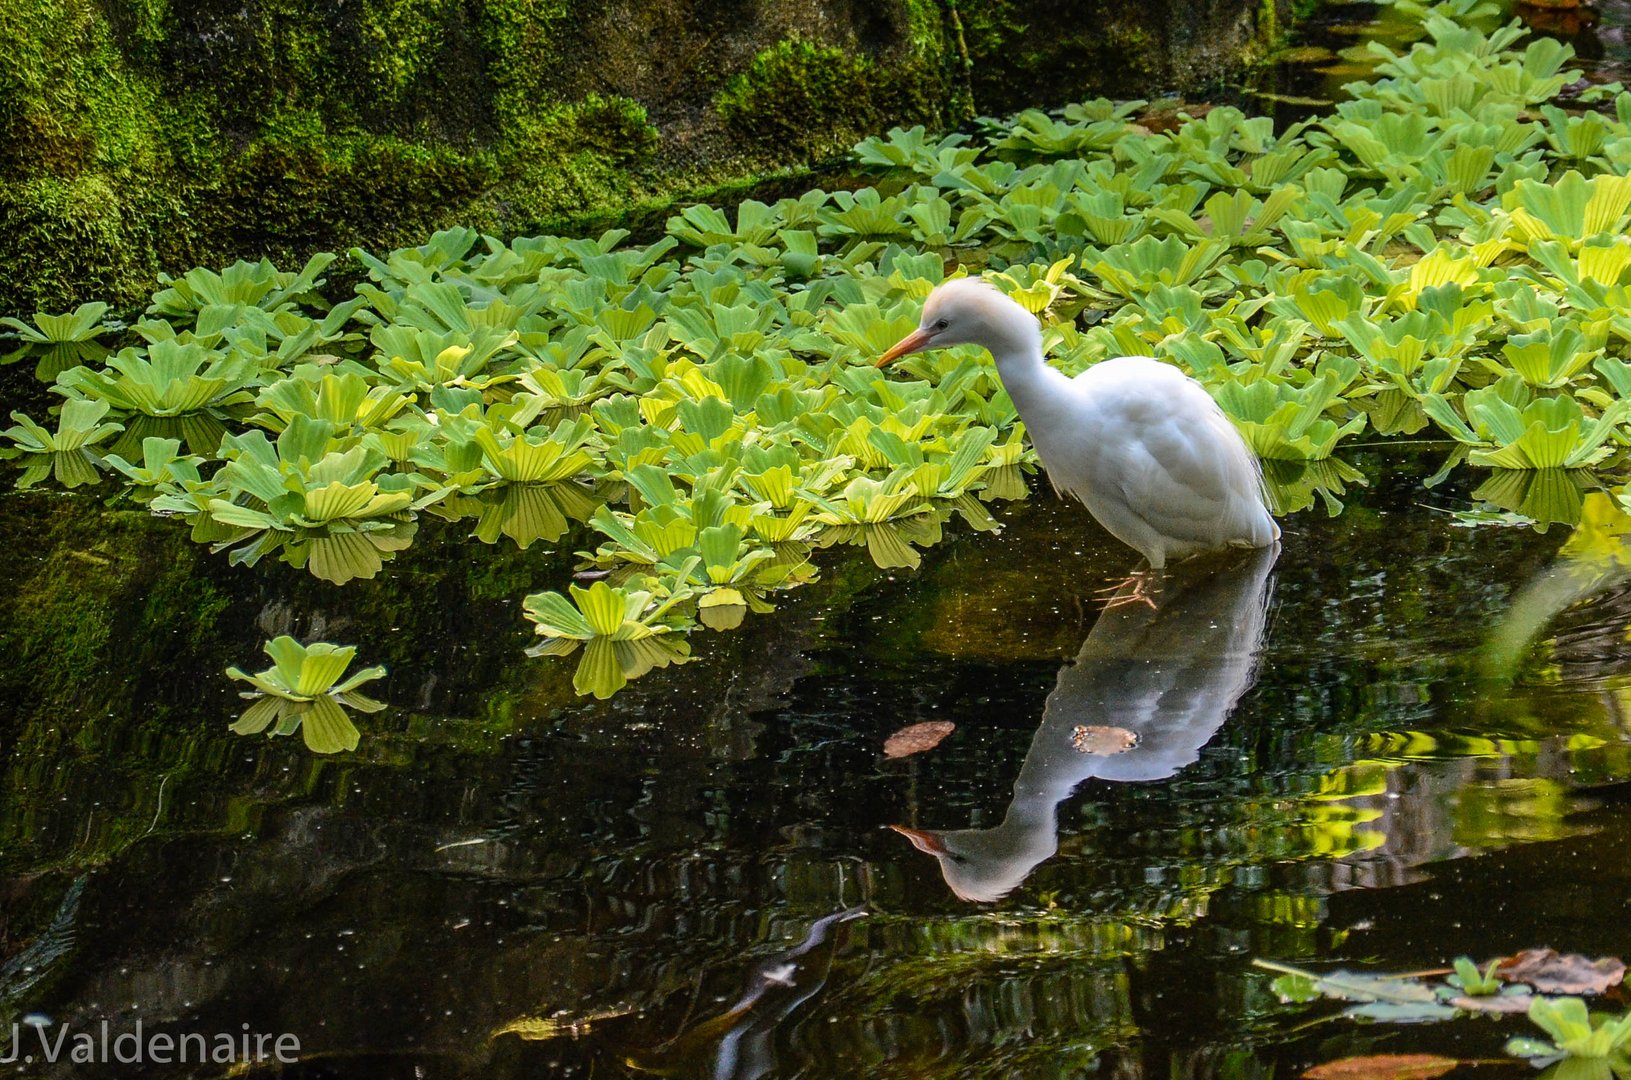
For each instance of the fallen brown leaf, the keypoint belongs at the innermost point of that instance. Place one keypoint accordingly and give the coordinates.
(1552, 973)
(1383, 1067)
(917, 738)
(1104, 741)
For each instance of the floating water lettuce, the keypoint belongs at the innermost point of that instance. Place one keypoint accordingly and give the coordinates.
(625, 631)
(1286, 422)
(887, 517)
(347, 400)
(68, 454)
(336, 509)
(243, 284)
(61, 341)
(169, 389)
(84, 323)
(1544, 496)
(1445, 252)
(162, 464)
(1510, 429)
(1575, 1033)
(304, 689)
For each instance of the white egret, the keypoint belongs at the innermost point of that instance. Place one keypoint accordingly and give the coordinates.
(1141, 444)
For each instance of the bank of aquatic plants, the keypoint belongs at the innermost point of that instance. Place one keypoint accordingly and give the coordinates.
(1444, 254)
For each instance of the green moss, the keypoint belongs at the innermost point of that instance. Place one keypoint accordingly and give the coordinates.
(590, 153)
(68, 238)
(140, 135)
(55, 623)
(289, 192)
(818, 100)
(1268, 22)
(522, 39)
(67, 103)
(1022, 58)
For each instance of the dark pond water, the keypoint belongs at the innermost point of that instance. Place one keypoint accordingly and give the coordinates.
(701, 872)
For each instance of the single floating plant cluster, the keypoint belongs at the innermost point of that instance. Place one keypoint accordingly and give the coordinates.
(1447, 250)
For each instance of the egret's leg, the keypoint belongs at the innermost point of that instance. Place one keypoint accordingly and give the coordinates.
(1135, 588)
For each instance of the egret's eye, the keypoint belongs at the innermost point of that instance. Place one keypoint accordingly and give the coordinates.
(941, 324)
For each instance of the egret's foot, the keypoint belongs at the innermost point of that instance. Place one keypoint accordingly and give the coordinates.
(1133, 589)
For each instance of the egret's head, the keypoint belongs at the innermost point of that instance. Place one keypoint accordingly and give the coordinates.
(969, 311)
(984, 865)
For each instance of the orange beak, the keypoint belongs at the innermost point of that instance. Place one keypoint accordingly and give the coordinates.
(916, 341)
(926, 842)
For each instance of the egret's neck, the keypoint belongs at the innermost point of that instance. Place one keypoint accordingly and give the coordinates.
(1039, 392)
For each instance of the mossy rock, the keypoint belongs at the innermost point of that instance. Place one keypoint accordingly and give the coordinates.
(818, 100)
(143, 135)
(69, 238)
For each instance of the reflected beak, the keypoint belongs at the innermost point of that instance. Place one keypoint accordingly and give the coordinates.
(916, 341)
(926, 842)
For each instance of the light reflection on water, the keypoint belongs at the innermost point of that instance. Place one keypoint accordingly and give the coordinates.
(653, 866)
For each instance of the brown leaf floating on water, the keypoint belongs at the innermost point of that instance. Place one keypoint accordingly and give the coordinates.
(917, 738)
(1551, 973)
(1384, 1067)
(1104, 741)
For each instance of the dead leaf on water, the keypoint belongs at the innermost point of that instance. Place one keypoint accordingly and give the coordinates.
(1552, 973)
(917, 738)
(1384, 1067)
(1495, 1003)
(1104, 741)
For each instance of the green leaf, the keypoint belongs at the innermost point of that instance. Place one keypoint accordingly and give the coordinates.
(603, 607)
(327, 729)
(322, 667)
(556, 616)
(258, 717)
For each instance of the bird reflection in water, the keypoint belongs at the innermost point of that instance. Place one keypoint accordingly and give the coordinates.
(1149, 688)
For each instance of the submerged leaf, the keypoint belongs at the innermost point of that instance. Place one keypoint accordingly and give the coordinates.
(1101, 740)
(1494, 1003)
(1383, 1067)
(917, 738)
(541, 1028)
(1400, 1012)
(1355, 986)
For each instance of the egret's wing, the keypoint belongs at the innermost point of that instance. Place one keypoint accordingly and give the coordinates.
(1189, 468)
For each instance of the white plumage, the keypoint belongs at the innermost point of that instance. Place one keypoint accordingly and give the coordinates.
(1141, 444)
